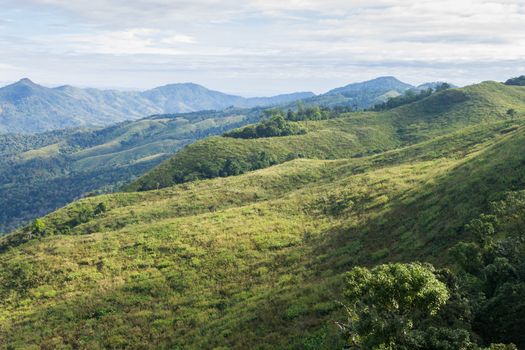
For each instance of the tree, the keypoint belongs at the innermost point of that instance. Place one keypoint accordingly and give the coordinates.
(492, 271)
(442, 87)
(388, 302)
(38, 227)
(518, 81)
(100, 208)
(511, 112)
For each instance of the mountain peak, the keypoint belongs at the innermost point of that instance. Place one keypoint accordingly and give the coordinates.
(21, 89)
(180, 85)
(386, 78)
(375, 87)
(26, 81)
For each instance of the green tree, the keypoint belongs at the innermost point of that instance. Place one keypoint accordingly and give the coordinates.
(100, 208)
(511, 112)
(443, 86)
(519, 81)
(38, 227)
(387, 302)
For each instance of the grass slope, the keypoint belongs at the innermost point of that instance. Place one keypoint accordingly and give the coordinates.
(255, 261)
(39, 173)
(356, 134)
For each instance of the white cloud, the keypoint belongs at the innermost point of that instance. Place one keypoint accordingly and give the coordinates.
(136, 41)
(271, 44)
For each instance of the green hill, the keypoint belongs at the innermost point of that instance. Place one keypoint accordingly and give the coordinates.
(40, 173)
(257, 261)
(353, 135)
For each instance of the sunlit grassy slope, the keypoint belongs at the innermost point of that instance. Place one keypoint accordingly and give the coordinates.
(254, 261)
(355, 135)
(40, 173)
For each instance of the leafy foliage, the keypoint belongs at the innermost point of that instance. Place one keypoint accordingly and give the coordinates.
(493, 270)
(388, 302)
(519, 81)
(274, 125)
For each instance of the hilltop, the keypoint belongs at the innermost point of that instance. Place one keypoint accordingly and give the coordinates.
(258, 260)
(361, 95)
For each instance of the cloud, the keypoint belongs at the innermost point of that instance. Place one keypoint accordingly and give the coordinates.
(264, 44)
(136, 41)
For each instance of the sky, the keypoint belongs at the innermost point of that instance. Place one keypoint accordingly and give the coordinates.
(259, 47)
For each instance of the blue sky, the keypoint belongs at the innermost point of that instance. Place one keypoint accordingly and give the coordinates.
(259, 47)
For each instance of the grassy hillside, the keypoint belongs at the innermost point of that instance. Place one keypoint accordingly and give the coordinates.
(39, 173)
(353, 135)
(256, 261)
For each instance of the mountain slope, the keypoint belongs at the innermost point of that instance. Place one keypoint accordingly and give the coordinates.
(54, 168)
(26, 107)
(258, 260)
(357, 135)
(361, 95)
(240, 262)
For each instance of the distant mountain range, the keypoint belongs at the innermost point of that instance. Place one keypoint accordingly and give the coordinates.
(26, 107)
(366, 94)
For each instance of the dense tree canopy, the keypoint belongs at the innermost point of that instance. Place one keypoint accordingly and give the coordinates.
(388, 303)
(275, 125)
(520, 81)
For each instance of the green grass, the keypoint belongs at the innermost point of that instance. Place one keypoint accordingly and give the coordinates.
(101, 161)
(354, 135)
(255, 261)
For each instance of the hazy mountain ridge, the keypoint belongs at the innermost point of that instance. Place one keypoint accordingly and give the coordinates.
(362, 95)
(26, 107)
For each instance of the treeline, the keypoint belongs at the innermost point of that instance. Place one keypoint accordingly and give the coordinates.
(275, 125)
(277, 122)
(315, 112)
(481, 305)
(408, 97)
(217, 167)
